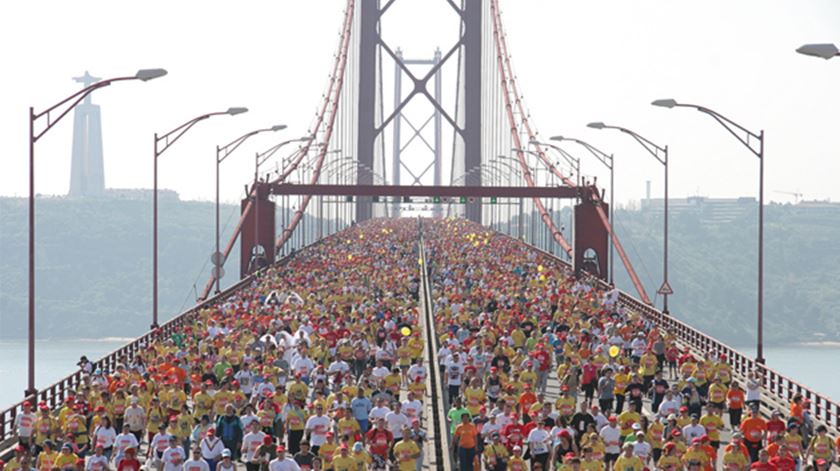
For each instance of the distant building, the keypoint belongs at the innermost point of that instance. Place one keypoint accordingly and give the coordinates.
(712, 210)
(87, 171)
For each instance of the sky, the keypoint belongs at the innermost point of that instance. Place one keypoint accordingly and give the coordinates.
(576, 62)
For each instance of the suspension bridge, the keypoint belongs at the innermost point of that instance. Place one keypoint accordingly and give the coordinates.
(409, 124)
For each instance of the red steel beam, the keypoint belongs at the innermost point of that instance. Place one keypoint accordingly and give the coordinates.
(428, 191)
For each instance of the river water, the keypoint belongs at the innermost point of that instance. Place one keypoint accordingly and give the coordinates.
(814, 367)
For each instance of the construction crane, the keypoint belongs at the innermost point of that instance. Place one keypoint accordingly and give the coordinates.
(797, 196)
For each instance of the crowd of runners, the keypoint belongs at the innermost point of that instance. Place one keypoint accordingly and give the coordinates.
(545, 371)
(318, 364)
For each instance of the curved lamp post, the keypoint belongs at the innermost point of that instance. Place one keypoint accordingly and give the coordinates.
(661, 155)
(748, 139)
(162, 144)
(144, 75)
(824, 51)
(223, 153)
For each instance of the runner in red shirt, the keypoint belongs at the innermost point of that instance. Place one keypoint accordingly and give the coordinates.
(512, 433)
(380, 439)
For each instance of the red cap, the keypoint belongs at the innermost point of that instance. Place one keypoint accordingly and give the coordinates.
(683, 409)
(613, 418)
(27, 404)
(267, 440)
(281, 448)
(100, 409)
(696, 441)
(211, 432)
(676, 433)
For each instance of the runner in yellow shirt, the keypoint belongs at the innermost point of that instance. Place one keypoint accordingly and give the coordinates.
(343, 461)
(627, 461)
(406, 453)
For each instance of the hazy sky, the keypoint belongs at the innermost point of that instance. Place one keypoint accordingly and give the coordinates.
(576, 61)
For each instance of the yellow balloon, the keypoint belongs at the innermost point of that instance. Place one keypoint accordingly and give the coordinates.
(349, 257)
(539, 268)
(405, 331)
(614, 351)
(361, 236)
(542, 277)
(419, 261)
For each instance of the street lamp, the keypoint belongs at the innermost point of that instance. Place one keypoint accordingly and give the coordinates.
(661, 155)
(222, 153)
(609, 162)
(825, 51)
(573, 161)
(747, 140)
(162, 143)
(144, 75)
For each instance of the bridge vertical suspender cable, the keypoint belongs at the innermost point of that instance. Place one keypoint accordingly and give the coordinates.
(507, 78)
(515, 132)
(332, 96)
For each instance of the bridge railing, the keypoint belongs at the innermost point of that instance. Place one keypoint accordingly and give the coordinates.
(777, 389)
(55, 394)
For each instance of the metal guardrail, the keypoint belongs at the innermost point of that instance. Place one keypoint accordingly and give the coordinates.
(443, 458)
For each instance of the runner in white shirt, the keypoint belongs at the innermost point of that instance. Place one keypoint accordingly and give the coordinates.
(160, 442)
(124, 440)
(197, 463)
(211, 447)
(104, 435)
(24, 422)
(174, 456)
(396, 421)
(539, 442)
(97, 462)
(251, 442)
(611, 435)
(417, 370)
(317, 427)
(641, 448)
(303, 366)
(283, 462)
(245, 378)
(412, 408)
(378, 412)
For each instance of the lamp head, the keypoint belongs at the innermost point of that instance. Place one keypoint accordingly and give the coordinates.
(825, 51)
(557, 138)
(596, 125)
(148, 74)
(665, 103)
(278, 127)
(236, 110)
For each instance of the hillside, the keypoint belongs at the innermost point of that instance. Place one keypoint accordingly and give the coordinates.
(94, 264)
(802, 266)
(94, 268)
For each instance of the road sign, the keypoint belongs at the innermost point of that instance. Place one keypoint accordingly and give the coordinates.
(665, 289)
(218, 273)
(217, 259)
(492, 200)
(463, 200)
(436, 199)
